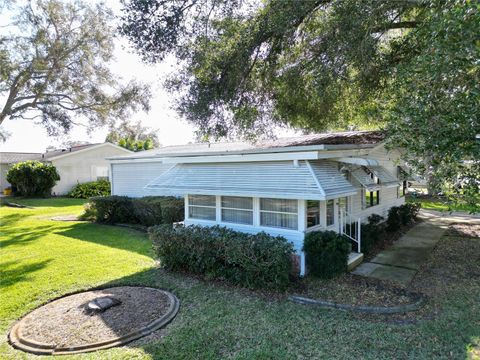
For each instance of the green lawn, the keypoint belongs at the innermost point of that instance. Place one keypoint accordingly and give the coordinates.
(42, 259)
(439, 204)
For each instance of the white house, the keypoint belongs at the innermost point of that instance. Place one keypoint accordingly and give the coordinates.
(76, 164)
(285, 187)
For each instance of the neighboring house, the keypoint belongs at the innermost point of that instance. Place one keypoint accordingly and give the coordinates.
(77, 164)
(285, 187)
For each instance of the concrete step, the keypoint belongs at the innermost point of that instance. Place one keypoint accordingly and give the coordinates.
(354, 259)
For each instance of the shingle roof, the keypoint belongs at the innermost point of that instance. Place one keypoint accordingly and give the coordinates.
(50, 154)
(14, 157)
(336, 138)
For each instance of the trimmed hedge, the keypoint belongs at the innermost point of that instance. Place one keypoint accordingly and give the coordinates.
(147, 211)
(90, 189)
(326, 253)
(253, 261)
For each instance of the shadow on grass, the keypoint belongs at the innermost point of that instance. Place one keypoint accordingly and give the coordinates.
(21, 236)
(11, 220)
(107, 235)
(10, 274)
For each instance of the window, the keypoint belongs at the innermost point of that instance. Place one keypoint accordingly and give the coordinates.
(281, 213)
(372, 198)
(201, 207)
(101, 172)
(330, 212)
(343, 205)
(238, 210)
(313, 213)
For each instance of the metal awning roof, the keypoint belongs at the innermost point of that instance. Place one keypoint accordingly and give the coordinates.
(364, 177)
(275, 179)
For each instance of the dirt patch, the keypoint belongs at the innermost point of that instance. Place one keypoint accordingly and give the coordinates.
(66, 323)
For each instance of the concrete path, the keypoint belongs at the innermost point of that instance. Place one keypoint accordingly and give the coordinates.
(402, 260)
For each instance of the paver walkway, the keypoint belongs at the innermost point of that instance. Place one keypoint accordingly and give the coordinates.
(402, 260)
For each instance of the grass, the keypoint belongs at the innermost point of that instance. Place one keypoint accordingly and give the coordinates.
(42, 259)
(440, 204)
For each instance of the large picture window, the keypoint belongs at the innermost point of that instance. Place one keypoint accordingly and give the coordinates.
(201, 207)
(238, 210)
(280, 213)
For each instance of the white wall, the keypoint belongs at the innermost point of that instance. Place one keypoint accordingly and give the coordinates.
(129, 179)
(388, 196)
(80, 167)
(3, 176)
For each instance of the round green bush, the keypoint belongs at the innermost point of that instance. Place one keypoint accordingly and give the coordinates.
(33, 178)
(90, 189)
(326, 253)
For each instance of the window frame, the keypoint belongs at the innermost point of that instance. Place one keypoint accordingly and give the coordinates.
(319, 213)
(250, 210)
(190, 206)
(260, 211)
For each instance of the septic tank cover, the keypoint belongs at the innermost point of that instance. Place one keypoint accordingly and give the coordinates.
(94, 320)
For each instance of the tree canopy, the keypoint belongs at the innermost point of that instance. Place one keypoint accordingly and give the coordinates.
(134, 137)
(54, 67)
(409, 66)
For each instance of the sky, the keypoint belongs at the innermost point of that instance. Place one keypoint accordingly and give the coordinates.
(25, 136)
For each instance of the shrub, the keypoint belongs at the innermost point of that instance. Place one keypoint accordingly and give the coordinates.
(372, 233)
(393, 220)
(112, 209)
(326, 253)
(33, 178)
(154, 210)
(90, 189)
(253, 261)
(146, 211)
(408, 213)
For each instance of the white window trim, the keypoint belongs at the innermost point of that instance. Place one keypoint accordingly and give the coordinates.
(252, 210)
(188, 206)
(256, 217)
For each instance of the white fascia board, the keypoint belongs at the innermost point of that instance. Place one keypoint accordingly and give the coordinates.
(310, 155)
(137, 160)
(88, 149)
(357, 161)
(181, 192)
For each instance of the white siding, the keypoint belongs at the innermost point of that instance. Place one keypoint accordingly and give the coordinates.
(130, 179)
(388, 196)
(82, 166)
(3, 176)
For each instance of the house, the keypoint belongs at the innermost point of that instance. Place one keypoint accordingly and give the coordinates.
(76, 164)
(285, 187)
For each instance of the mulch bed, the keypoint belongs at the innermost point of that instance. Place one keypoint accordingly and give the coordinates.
(64, 322)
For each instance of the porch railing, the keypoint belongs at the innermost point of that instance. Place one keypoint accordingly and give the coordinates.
(351, 228)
